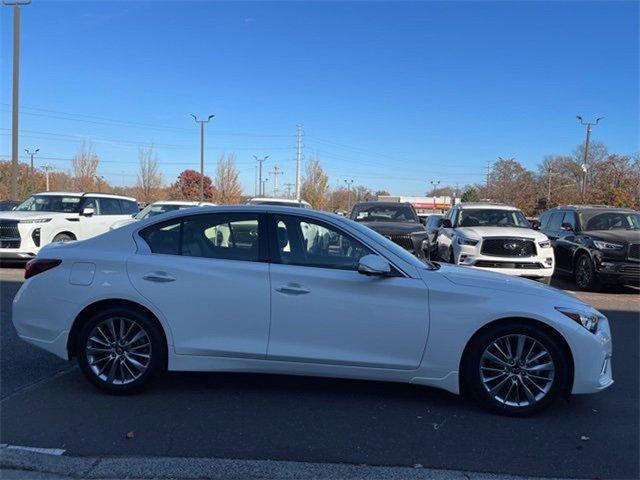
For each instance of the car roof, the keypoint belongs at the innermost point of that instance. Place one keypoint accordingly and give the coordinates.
(180, 202)
(493, 206)
(93, 194)
(591, 207)
(382, 203)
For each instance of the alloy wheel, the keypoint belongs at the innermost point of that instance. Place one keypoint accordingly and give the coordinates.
(583, 272)
(517, 370)
(118, 350)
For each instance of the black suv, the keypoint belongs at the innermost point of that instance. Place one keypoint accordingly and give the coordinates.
(596, 244)
(397, 221)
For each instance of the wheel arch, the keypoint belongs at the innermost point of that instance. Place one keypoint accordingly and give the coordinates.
(515, 320)
(65, 232)
(576, 254)
(87, 312)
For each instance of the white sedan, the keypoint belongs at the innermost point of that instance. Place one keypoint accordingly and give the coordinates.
(249, 289)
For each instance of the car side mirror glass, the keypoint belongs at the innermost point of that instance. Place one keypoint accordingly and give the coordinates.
(446, 223)
(567, 227)
(374, 265)
(88, 211)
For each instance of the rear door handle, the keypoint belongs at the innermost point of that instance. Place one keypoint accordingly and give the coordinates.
(292, 289)
(158, 277)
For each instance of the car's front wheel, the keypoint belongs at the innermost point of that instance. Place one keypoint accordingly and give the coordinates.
(120, 349)
(585, 274)
(515, 369)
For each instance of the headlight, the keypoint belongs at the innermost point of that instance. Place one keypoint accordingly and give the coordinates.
(600, 245)
(544, 244)
(35, 220)
(588, 319)
(467, 241)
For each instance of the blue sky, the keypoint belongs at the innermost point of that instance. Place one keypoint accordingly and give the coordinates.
(392, 95)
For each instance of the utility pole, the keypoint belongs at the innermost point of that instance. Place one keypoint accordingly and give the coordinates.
(434, 185)
(47, 168)
(585, 162)
(299, 134)
(255, 190)
(32, 182)
(260, 183)
(202, 122)
(349, 183)
(16, 4)
(275, 172)
(487, 181)
(289, 186)
(263, 186)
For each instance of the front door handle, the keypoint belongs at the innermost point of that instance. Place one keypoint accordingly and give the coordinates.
(158, 277)
(292, 289)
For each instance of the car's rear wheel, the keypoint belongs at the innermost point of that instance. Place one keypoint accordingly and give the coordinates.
(585, 274)
(120, 349)
(515, 369)
(63, 237)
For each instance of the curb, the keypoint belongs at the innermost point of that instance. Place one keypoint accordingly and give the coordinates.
(28, 464)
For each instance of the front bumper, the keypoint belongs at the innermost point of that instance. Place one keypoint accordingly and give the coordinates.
(615, 272)
(592, 358)
(539, 267)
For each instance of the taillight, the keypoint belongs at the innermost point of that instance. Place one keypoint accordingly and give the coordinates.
(39, 265)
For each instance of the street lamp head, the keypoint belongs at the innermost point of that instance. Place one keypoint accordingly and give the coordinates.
(598, 119)
(37, 150)
(13, 3)
(210, 117)
(579, 118)
(194, 117)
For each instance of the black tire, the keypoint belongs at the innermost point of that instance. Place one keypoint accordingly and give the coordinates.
(546, 281)
(63, 237)
(138, 321)
(472, 376)
(584, 274)
(452, 260)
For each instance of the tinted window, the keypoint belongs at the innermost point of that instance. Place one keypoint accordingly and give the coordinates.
(50, 203)
(110, 206)
(611, 220)
(570, 218)
(92, 202)
(163, 237)
(492, 218)
(544, 219)
(224, 236)
(384, 213)
(128, 207)
(433, 220)
(301, 241)
(555, 222)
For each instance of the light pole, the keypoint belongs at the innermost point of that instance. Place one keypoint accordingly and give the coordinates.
(47, 168)
(434, 186)
(585, 162)
(263, 186)
(202, 122)
(260, 162)
(349, 183)
(31, 154)
(99, 179)
(16, 4)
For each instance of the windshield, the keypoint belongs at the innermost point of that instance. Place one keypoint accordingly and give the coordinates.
(157, 209)
(492, 218)
(384, 213)
(611, 220)
(50, 203)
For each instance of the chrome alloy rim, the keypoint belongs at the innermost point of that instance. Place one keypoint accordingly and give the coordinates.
(517, 370)
(118, 350)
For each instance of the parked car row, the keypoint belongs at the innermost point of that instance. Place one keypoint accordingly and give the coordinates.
(596, 245)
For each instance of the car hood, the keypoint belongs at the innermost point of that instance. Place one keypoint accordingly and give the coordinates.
(13, 215)
(471, 277)
(616, 236)
(394, 228)
(478, 233)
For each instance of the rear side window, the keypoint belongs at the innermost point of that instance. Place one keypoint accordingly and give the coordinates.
(163, 237)
(128, 207)
(544, 219)
(222, 236)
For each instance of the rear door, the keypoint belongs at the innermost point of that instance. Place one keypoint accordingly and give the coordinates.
(209, 277)
(324, 311)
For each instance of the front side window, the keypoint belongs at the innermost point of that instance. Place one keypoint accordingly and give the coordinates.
(555, 222)
(570, 218)
(306, 242)
(128, 207)
(50, 203)
(492, 218)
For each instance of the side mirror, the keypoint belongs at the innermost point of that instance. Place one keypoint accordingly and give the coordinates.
(88, 212)
(535, 224)
(445, 223)
(374, 265)
(567, 227)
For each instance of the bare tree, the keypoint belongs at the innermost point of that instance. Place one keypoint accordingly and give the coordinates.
(227, 186)
(84, 166)
(315, 185)
(149, 184)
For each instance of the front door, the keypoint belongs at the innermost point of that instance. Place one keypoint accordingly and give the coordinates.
(208, 275)
(324, 311)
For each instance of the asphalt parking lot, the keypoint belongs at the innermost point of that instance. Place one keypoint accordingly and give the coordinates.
(45, 402)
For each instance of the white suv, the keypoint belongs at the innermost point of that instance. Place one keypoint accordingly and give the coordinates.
(495, 237)
(59, 217)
